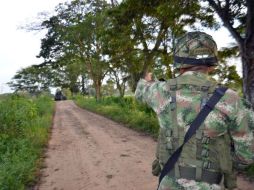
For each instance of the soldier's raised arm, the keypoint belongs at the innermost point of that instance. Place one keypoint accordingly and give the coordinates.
(153, 93)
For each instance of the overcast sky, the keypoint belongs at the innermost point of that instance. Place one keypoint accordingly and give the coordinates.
(18, 48)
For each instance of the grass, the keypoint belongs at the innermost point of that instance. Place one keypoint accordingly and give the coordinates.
(24, 133)
(124, 110)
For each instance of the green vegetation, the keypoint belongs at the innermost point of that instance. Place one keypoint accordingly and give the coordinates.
(125, 110)
(90, 42)
(250, 171)
(24, 125)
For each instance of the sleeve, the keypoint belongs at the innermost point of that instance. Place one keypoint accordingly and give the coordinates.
(154, 94)
(241, 130)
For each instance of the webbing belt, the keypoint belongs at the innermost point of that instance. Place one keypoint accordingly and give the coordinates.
(190, 173)
(208, 107)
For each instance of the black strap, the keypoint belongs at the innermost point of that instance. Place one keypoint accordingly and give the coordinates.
(208, 107)
(210, 61)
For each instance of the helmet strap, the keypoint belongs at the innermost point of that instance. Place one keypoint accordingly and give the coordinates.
(210, 61)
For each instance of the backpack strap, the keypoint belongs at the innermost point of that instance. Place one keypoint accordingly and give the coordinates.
(208, 107)
(205, 89)
(173, 108)
(173, 88)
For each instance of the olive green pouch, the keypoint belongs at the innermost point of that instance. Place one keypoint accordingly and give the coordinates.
(156, 168)
(226, 161)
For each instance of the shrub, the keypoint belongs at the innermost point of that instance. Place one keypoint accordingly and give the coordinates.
(125, 110)
(24, 132)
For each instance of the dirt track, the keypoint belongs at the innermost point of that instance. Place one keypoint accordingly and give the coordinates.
(87, 151)
(90, 152)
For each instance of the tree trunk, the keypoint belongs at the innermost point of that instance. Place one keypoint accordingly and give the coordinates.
(248, 77)
(135, 77)
(97, 85)
(148, 63)
(83, 85)
(120, 88)
(122, 91)
(113, 3)
(246, 44)
(248, 55)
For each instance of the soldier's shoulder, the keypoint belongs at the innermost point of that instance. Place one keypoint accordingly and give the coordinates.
(229, 102)
(232, 92)
(232, 95)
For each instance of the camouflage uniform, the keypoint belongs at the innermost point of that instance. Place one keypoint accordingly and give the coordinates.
(230, 120)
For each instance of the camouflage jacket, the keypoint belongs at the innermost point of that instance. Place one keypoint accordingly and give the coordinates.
(230, 114)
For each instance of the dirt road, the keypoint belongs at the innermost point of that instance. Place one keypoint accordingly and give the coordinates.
(90, 152)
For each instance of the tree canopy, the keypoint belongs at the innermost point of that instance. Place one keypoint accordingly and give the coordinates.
(238, 17)
(102, 40)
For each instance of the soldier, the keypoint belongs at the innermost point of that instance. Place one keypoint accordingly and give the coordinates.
(223, 141)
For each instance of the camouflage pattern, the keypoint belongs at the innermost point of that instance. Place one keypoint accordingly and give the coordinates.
(196, 45)
(230, 115)
(184, 184)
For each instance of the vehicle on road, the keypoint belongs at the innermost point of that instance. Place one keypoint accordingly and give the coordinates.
(59, 96)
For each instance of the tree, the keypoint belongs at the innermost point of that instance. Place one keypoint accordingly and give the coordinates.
(31, 79)
(120, 78)
(226, 72)
(238, 17)
(144, 31)
(108, 88)
(75, 32)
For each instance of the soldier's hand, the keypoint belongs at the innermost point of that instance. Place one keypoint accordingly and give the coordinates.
(149, 77)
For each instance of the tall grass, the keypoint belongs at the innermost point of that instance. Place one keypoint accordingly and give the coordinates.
(24, 125)
(125, 110)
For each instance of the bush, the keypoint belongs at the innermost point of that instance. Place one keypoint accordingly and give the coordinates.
(250, 171)
(125, 110)
(24, 132)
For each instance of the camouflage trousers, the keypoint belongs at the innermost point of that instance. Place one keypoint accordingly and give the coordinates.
(168, 183)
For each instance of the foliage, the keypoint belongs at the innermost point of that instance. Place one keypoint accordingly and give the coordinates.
(142, 34)
(125, 110)
(237, 16)
(250, 170)
(74, 34)
(93, 40)
(108, 88)
(31, 79)
(24, 132)
(226, 70)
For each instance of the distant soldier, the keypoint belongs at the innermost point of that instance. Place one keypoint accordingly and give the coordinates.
(222, 143)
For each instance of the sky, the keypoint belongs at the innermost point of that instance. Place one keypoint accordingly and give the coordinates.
(18, 48)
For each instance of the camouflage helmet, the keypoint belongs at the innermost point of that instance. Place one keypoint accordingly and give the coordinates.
(195, 48)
